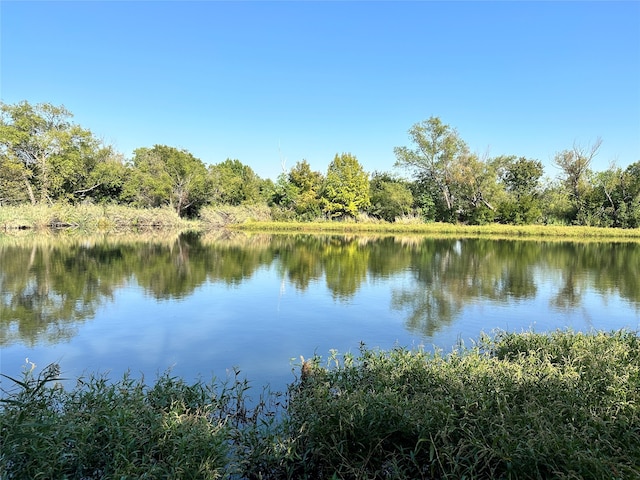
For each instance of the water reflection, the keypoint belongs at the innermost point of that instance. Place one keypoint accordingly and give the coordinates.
(49, 286)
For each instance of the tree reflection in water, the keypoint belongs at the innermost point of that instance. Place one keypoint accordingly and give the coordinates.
(50, 285)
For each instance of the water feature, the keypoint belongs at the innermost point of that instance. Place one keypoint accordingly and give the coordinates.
(204, 305)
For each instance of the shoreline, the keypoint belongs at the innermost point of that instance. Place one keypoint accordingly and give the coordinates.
(96, 219)
(517, 405)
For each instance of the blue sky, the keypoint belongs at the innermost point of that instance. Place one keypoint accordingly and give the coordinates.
(274, 82)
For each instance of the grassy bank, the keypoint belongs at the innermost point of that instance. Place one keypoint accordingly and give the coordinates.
(491, 230)
(564, 405)
(89, 217)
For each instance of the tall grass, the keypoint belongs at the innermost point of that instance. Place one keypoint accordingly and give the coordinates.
(213, 217)
(122, 429)
(516, 406)
(88, 217)
(258, 218)
(409, 227)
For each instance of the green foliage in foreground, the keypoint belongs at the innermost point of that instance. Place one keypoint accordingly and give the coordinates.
(112, 430)
(519, 406)
(564, 405)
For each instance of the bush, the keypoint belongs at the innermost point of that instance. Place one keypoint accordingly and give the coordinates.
(223, 215)
(519, 406)
(522, 406)
(112, 430)
(88, 217)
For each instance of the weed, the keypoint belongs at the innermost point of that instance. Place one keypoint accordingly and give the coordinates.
(514, 406)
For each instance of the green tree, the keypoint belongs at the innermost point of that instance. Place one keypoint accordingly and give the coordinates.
(555, 203)
(297, 192)
(521, 178)
(437, 153)
(425, 194)
(104, 177)
(474, 182)
(233, 183)
(308, 185)
(630, 193)
(346, 188)
(167, 176)
(614, 199)
(284, 193)
(601, 205)
(39, 145)
(12, 187)
(575, 164)
(96, 172)
(390, 197)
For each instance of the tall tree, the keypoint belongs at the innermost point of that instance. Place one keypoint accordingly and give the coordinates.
(308, 184)
(165, 175)
(521, 178)
(233, 183)
(12, 187)
(474, 182)
(433, 160)
(575, 164)
(103, 177)
(630, 187)
(297, 192)
(346, 188)
(555, 203)
(614, 200)
(42, 147)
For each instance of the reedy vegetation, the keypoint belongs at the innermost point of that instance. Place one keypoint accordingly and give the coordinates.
(559, 405)
(90, 217)
(45, 159)
(259, 218)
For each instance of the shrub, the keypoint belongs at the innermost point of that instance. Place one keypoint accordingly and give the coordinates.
(518, 406)
(89, 217)
(526, 406)
(102, 429)
(223, 215)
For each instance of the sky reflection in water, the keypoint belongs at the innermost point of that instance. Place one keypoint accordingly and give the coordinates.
(202, 306)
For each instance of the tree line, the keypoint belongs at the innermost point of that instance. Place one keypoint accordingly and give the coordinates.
(45, 158)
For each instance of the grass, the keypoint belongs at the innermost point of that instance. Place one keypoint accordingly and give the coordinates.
(518, 406)
(225, 215)
(103, 429)
(88, 217)
(491, 230)
(91, 218)
(523, 406)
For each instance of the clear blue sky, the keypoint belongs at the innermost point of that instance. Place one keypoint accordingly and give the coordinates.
(267, 81)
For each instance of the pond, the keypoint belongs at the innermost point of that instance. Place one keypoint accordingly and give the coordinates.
(208, 305)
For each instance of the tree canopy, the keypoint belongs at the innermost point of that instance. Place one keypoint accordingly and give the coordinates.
(437, 152)
(346, 188)
(298, 192)
(521, 179)
(390, 197)
(233, 183)
(46, 158)
(47, 155)
(164, 175)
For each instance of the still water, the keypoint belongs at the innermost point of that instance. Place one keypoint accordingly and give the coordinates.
(203, 305)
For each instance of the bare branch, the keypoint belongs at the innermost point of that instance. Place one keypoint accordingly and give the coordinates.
(87, 189)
